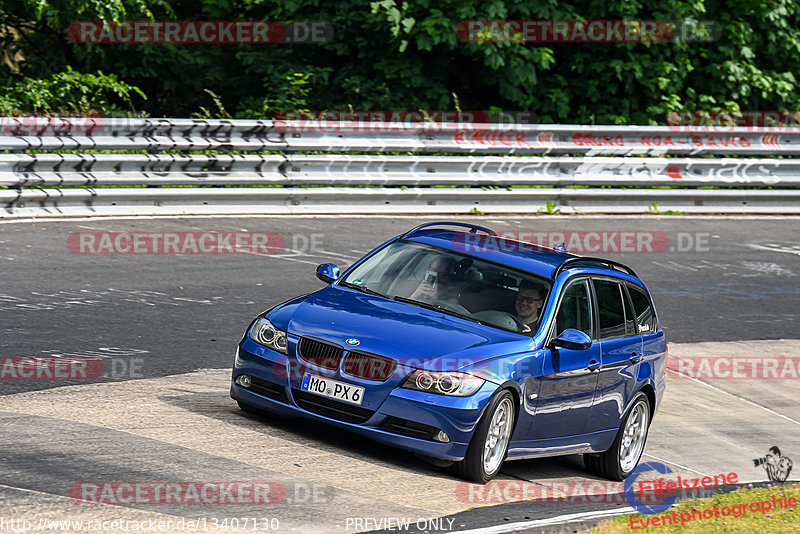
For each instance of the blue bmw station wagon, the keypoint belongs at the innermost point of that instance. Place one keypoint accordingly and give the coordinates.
(467, 349)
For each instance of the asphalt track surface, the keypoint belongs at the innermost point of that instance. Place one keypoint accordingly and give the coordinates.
(166, 326)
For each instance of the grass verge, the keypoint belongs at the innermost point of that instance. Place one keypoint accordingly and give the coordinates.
(748, 504)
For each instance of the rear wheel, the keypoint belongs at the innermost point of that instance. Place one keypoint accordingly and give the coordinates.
(489, 445)
(623, 456)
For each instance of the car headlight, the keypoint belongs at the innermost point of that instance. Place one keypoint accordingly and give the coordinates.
(265, 333)
(443, 382)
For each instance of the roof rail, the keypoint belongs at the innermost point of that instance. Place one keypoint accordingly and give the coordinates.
(473, 228)
(588, 259)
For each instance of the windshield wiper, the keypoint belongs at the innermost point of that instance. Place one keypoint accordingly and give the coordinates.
(363, 289)
(434, 307)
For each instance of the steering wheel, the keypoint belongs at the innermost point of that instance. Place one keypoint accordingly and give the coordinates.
(496, 317)
(521, 327)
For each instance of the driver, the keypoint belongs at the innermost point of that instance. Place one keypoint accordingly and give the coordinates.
(438, 283)
(529, 304)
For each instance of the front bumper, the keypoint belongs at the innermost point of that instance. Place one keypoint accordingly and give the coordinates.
(456, 416)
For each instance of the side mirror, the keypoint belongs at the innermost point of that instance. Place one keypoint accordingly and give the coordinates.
(327, 272)
(572, 339)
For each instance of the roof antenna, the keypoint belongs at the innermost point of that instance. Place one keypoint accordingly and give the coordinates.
(560, 248)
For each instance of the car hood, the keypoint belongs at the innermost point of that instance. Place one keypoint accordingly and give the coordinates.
(414, 336)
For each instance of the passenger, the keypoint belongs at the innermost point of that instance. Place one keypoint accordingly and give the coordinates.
(529, 303)
(438, 283)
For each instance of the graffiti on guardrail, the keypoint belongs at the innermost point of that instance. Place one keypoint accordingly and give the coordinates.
(37, 170)
(511, 138)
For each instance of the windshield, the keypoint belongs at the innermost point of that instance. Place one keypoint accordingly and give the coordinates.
(454, 283)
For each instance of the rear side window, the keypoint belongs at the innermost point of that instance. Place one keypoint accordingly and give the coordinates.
(575, 310)
(645, 318)
(611, 309)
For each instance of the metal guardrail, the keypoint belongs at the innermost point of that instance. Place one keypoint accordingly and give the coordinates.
(20, 134)
(343, 200)
(41, 176)
(52, 170)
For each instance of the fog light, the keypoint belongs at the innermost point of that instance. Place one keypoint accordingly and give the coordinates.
(441, 436)
(244, 381)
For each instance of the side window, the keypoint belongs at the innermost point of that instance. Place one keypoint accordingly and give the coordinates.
(630, 323)
(611, 309)
(575, 310)
(645, 317)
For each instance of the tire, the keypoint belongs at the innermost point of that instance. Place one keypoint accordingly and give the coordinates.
(496, 425)
(617, 462)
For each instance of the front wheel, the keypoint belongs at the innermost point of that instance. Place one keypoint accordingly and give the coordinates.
(489, 445)
(623, 456)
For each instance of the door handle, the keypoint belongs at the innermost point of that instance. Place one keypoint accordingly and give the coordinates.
(635, 358)
(594, 365)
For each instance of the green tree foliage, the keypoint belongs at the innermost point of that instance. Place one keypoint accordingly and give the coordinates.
(69, 91)
(404, 54)
(37, 72)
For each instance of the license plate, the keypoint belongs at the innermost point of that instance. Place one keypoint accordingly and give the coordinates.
(333, 389)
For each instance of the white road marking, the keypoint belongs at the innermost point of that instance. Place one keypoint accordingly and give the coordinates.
(675, 266)
(773, 248)
(30, 491)
(766, 267)
(773, 412)
(678, 465)
(281, 257)
(478, 220)
(327, 253)
(558, 520)
(706, 384)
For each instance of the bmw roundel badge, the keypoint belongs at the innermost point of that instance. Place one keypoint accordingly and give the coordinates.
(352, 342)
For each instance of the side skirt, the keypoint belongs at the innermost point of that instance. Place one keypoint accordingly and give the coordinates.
(580, 444)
